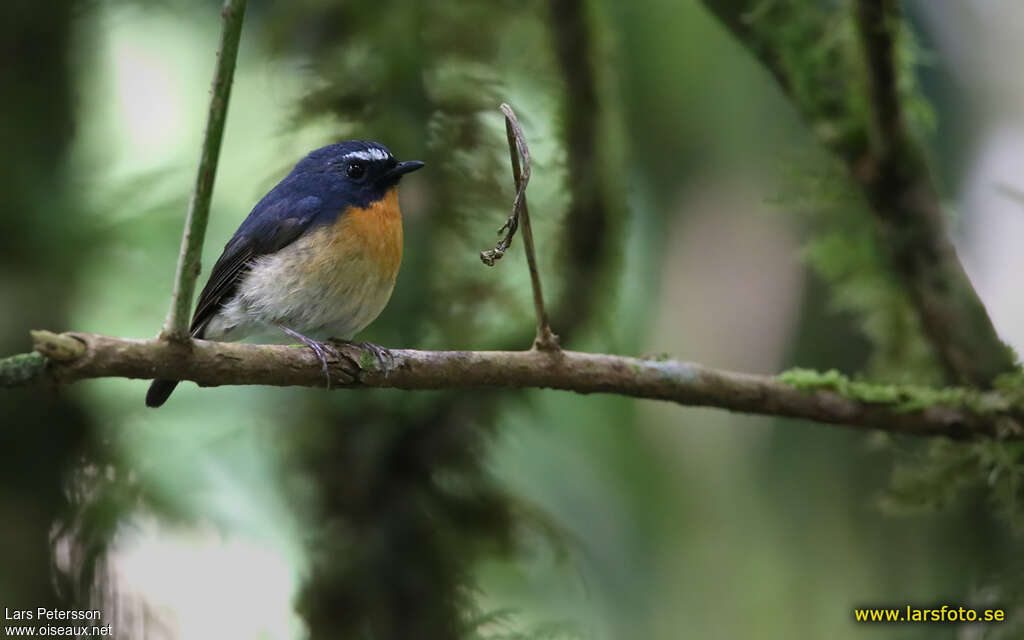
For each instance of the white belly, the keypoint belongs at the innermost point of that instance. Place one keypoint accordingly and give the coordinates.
(295, 289)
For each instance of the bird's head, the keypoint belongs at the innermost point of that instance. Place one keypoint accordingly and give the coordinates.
(365, 171)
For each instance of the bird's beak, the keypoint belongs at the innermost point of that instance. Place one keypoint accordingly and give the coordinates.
(403, 168)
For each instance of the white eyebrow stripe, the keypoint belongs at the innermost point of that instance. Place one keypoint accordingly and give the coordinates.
(368, 155)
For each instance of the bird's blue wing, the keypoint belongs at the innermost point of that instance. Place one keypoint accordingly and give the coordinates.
(275, 222)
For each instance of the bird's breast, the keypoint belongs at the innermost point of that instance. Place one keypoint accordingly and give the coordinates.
(374, 232)
(335, 279)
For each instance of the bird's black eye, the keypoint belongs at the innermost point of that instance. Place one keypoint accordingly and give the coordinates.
(356, 170)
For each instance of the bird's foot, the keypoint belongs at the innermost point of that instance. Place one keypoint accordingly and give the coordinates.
(323, 350)
(384, 358)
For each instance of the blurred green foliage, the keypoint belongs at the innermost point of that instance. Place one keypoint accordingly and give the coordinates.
(497, 515)
(43, 433)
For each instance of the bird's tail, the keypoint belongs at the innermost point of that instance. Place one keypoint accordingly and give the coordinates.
(159, 391)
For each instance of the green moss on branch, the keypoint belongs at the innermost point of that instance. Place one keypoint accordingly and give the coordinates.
(22, 369)
(908, 397)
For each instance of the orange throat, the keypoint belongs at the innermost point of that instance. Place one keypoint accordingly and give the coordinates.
(376, 230)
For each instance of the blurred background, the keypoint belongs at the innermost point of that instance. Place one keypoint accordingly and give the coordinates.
(681, 207)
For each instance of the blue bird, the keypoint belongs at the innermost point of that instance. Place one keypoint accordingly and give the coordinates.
(316, 258)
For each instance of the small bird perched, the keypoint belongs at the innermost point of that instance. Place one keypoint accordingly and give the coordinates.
(317, 256)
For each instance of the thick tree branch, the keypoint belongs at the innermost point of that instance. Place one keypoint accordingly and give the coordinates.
(893, 175)
(897, 183)
(177, 323)
(913, 411)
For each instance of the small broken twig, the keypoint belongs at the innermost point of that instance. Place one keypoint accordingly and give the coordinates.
(517, 147)
(545, 339)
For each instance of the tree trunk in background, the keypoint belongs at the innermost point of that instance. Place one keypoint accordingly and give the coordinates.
(43, 430)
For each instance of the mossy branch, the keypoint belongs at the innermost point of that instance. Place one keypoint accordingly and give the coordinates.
(885, 163)
(827, 398)
(177, 323)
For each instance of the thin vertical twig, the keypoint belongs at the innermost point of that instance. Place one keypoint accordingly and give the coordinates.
(545, 339)
(176, 326)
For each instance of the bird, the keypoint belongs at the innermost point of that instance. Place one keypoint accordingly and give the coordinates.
(317, 257)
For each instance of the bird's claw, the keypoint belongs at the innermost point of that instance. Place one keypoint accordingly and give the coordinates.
(322, 350)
